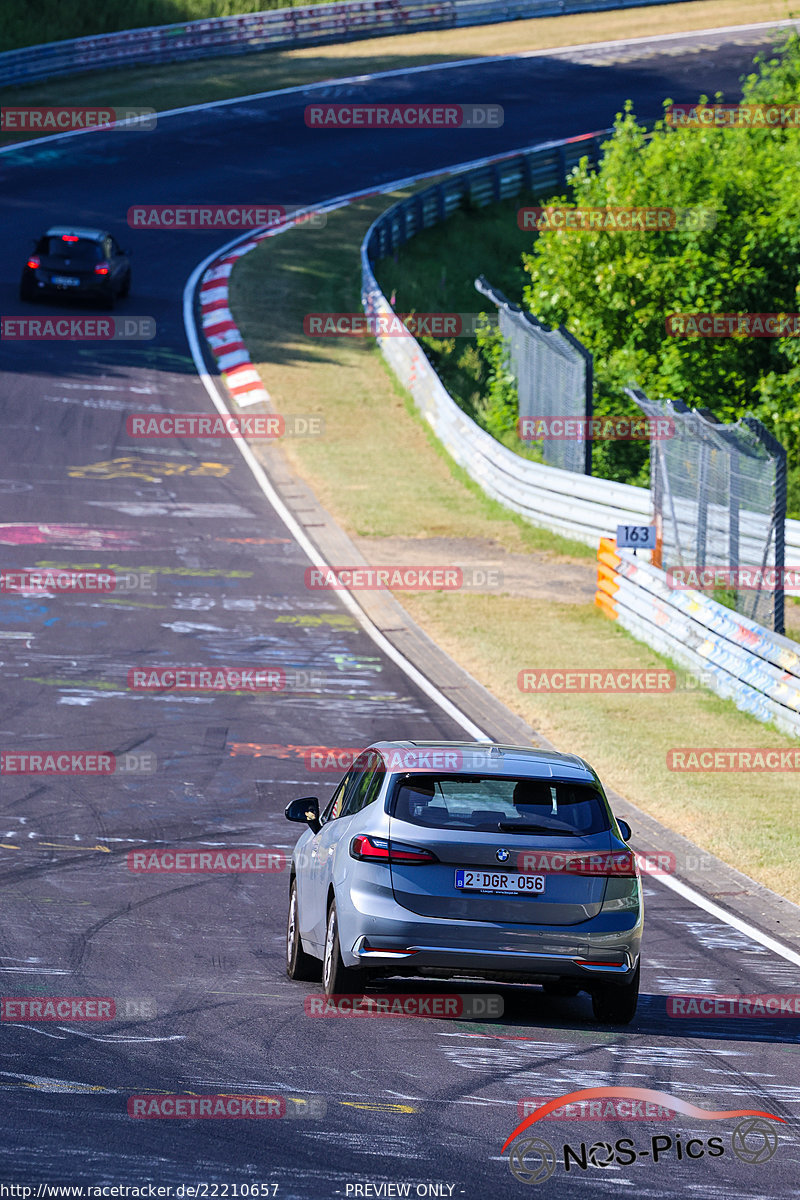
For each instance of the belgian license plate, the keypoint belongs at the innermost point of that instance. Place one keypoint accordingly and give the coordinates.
(510, 883)
(66, 281)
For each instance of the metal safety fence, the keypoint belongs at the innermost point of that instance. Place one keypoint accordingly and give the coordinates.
(755, 667)
(574, 505)
(719, 501)
(553, 373)
(584, 509)
(539, 169)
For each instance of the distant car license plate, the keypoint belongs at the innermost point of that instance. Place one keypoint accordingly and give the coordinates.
(510, 883)
(66, 281)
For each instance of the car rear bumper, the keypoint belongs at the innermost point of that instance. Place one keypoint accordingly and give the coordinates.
(603, 949)
(537, 966)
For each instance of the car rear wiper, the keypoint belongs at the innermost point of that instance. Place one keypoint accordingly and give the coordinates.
(514, 827)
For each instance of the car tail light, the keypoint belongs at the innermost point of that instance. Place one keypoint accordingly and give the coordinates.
(33, 262)
(598, 962)
(101, 268)
(374, 849)
(69, 237)
(614, 864)
(389, 951)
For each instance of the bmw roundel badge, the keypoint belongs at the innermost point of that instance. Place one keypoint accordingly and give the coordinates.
(502, 855)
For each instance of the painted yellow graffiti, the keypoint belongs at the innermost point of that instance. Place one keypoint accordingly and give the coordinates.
(56, 846)
(379, 1107)
(152, 470)
(337, 620)
(97, 685)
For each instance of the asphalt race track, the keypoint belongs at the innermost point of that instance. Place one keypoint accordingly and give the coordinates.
(195, 962)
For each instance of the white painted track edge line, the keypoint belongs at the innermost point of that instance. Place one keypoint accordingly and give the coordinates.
(402, 71)
(296, 530)
(714, 910)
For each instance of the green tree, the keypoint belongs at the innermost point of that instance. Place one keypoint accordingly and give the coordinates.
(614, 291)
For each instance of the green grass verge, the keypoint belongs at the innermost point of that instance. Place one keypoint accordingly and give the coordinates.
(379, 470)
(317, 270)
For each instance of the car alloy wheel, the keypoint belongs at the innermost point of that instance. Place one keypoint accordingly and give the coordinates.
(299, 965)
(337, 979)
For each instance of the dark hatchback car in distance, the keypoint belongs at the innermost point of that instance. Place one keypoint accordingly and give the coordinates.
(467, 859)
(76, 263)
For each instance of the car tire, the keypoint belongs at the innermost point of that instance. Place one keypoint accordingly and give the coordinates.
(27, 293)
(126, 285)
(299, 965)
(613, 1005)
(337, 979)
(106, 301)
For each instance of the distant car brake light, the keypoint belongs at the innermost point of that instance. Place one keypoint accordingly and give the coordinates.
(374, 849)
(33, 262)
(101, 268)
(69, 237)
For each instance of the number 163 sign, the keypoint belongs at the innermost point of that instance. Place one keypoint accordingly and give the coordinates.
(637, 537)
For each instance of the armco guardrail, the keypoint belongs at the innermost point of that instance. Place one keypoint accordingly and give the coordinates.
(578, 506)
(740, 660)
(277, 29)
(583, 508)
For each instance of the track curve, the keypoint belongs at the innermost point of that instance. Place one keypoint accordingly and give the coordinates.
(423, 1102)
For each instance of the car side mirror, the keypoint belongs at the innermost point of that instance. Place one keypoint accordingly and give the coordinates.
(625, 830)
(306, 809)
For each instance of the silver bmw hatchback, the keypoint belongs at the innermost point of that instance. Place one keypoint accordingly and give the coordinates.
(469, 859)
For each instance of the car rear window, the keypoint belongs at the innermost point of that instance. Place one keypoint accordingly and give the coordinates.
(82, 249)
(488, 804)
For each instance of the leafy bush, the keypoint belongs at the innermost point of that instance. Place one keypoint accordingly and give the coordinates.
(615, 291)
